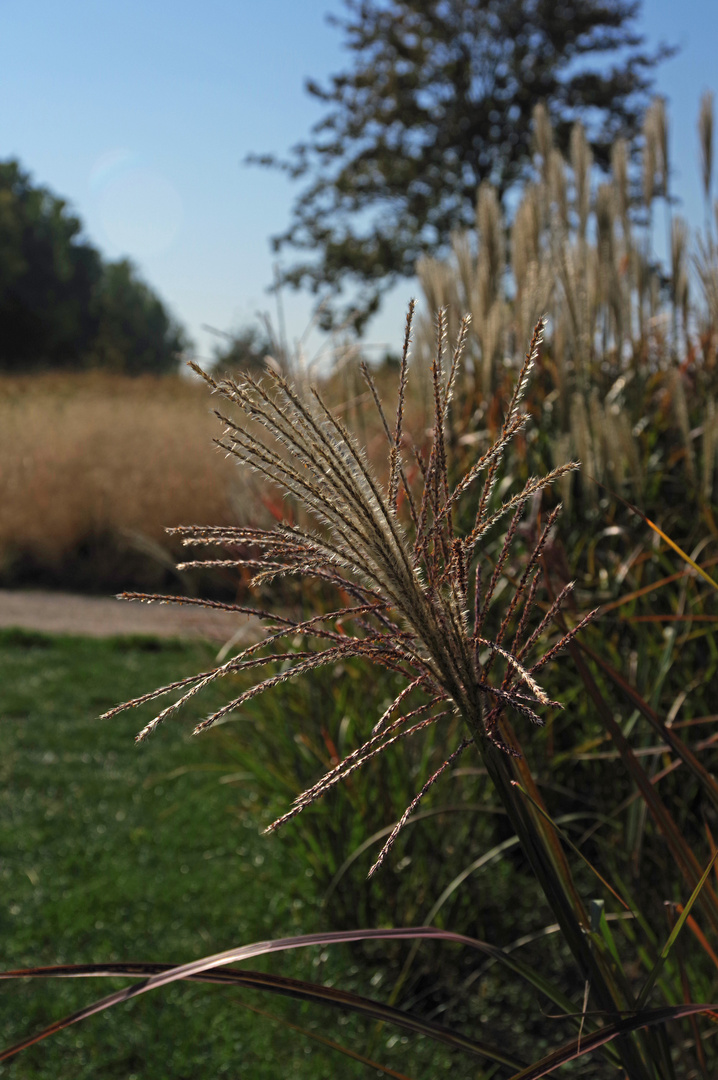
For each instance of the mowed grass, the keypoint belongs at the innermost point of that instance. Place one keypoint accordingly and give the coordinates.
(110, 851)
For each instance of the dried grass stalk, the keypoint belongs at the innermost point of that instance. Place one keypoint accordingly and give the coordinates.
(399, 564)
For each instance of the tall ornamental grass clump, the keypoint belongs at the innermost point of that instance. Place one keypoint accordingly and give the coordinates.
(404, 578)
(630, 378)
(402, 559)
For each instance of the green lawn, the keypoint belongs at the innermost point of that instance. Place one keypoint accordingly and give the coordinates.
(110, 851)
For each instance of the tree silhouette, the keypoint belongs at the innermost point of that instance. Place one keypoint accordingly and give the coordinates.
(438, 98)
(61, 306)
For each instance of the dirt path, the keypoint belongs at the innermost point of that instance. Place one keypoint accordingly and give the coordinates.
(98, 616)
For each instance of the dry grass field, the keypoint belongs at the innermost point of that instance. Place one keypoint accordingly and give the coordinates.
(95, 467)
(92, 459)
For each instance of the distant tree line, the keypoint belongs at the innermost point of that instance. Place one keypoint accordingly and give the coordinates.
(62, 306)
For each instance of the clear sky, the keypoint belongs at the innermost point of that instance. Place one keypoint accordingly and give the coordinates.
(141, 112)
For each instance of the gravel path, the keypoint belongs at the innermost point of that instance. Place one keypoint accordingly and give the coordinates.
(99, 616)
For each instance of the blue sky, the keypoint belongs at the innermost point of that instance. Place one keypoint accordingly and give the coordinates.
(140, 113)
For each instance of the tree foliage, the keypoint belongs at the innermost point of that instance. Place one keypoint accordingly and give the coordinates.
(61, 305)
(135, 334)
(439, 97)
(47, 277)
(246, 351)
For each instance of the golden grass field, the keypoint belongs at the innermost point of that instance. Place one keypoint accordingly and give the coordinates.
(94, 454)
(111, 461)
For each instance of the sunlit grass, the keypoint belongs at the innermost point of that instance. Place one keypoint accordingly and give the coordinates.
(110, 852)
(88, 456)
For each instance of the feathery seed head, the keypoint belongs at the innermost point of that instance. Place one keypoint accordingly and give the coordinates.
(619, 168)
(542, 138)
(705, 135)
(393, 553)
(581, 163)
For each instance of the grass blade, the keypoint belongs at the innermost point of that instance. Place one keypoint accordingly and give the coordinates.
(161, 975)
(680, 850)
(664, 536)
(588, 1043)
(324, 1041)
(571, 844)
(667, 733)
(658, 966)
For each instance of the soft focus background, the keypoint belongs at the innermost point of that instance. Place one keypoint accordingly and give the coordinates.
(139, 121)
(134, 236)
(141, 116)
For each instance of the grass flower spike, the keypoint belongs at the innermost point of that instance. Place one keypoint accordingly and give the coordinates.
(407, 575)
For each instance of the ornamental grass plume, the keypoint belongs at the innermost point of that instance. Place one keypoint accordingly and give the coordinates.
(405, 565)
(408, 578)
